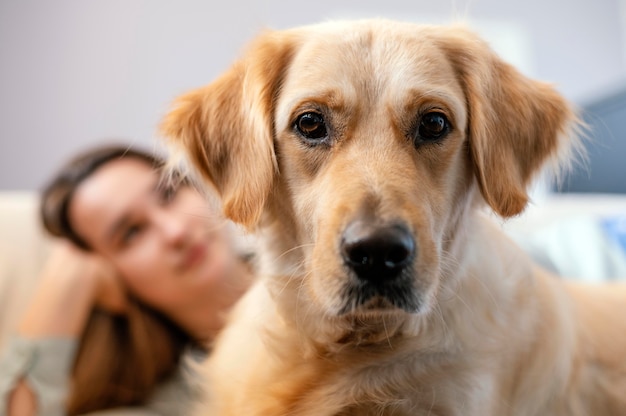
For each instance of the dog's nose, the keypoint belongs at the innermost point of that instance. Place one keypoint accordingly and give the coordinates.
(377, 253)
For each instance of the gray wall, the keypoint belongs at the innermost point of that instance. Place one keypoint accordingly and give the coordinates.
(74, 73)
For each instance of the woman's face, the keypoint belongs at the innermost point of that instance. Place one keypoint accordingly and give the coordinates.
(171, 251)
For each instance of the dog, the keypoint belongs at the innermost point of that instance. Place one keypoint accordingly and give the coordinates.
(366, 156)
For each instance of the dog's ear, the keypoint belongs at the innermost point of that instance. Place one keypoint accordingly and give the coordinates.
(226, 130)
(515, 124)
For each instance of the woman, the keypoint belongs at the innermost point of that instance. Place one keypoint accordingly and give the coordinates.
(144, 273)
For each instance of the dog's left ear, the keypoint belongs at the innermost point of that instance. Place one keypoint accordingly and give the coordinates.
(515, 124)
(226, 129)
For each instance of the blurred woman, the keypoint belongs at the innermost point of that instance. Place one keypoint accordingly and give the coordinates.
(141, 277)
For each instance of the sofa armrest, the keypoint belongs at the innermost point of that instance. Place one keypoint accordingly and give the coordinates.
(23, 249)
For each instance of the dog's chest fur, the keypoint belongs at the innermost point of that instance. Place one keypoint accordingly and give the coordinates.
(385, 378)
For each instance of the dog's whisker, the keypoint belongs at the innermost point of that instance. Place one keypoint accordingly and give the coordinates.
(301, 332)
(387, 333)
(292, 249)
(460, 298)
(434, 400)
(488, 292)
(438, 313)
(449, 263)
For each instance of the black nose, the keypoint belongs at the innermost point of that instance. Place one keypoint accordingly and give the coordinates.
(377, 253)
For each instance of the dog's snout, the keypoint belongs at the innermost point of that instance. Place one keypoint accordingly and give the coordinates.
(377, 253)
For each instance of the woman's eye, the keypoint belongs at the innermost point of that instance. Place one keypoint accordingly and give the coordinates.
(130, 233)
(312, 127)
(433, 126)
(167, 193)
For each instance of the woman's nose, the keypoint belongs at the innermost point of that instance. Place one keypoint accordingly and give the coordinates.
(173, 227)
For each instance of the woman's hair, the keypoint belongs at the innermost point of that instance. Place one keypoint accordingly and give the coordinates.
(58, 193)
(120, 358)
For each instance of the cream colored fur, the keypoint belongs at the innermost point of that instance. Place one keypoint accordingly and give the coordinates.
(485, 331)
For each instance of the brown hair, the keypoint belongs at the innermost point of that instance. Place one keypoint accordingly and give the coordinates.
(121, 358)
(58, 193)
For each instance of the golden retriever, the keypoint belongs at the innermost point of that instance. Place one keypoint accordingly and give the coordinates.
(363, 154)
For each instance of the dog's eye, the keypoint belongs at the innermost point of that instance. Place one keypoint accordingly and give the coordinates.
(433, 126)
(312, 127)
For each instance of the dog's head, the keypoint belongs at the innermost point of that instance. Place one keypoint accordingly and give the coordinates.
(368, 142)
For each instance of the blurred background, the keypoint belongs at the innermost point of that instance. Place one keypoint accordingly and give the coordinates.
(74, 73)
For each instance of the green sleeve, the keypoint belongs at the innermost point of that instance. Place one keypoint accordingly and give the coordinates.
(179, 393)
(45, 364)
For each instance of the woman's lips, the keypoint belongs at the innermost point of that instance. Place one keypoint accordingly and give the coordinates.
(194, 255)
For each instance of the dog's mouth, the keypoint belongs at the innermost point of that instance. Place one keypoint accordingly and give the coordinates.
(359, 297)
(376, 313)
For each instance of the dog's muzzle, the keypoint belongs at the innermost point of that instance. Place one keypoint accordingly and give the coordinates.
(381, 258)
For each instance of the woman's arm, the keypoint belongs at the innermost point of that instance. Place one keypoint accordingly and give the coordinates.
(71, 284)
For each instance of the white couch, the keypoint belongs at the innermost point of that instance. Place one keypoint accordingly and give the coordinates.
(574, 235)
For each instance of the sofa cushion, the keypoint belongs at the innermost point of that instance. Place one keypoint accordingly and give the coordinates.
(23, 249)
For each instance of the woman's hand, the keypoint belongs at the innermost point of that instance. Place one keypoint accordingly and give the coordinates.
(71, 284)
(89, 270)
(109, 290)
